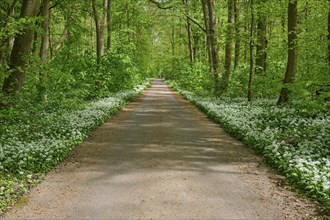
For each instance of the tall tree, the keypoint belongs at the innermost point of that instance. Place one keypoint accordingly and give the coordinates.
(190, 35)
(292, 51)
(207, 31)
(261, 45)
(21, 49)
(251, 51)
(7, 41)
(44, 12)
(228, 47)
(109, 25)
(100, 20)
(329, 37)
(237, 34)
(212, 38)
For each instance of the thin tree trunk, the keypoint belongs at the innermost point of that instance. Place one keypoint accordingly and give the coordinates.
(228, 48)
(261, 44)
(251, 52)
(21, 49)
(190, 35)
(329, 38)
(7, 43)
(128, 25)
(109, 25)
(237, 35)
(173, 41)
(213, 43)
(196, 47)
(292, 52)
(92, 34)
(62, 39)
(207, 30)
(45, 27)
(190, 38)
(100, 26)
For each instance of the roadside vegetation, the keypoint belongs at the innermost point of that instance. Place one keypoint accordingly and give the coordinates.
(37, 139)
(259, 67)
(293, 142)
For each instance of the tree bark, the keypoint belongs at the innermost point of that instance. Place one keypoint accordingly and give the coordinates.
(109, 24)
(261, 54)
(228, 48)
(62, 39)
(44, 11)
(6, 44)
(190, 35)
(213, 43)
(251, 52)
(292, 52)
(207, 31)
(329, 38)
(100, 27)
(21, 49)
(237, 35)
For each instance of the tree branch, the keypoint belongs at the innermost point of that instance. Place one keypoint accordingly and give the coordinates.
(53, 6)
(169, 7)
(195, 22)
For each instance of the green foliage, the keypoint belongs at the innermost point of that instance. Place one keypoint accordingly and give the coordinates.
(34, 138)
(295, 143)
(194, 78)
(120, 70)
(148, 42)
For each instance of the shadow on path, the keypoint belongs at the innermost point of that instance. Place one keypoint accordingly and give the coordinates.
(160, 158)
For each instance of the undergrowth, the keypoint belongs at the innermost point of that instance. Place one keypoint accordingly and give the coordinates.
(293, 142)
(33, 141)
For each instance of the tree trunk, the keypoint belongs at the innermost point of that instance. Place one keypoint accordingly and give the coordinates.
(207, 30)
(62, 39)
(7, 44)
(213, 43)
(21, 49)
(109, 25)
(292, 52)
(251, 52)
(329, 38)
(45, 27)
(173, 40)
(100, 26)
(196, 47)
(228, 48)
(261, 44)
(237, 35)
(128, 23)
(190, 35)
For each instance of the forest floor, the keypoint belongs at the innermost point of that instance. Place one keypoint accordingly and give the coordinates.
(161, 158)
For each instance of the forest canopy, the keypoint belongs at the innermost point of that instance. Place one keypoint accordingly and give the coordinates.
(261, 68)
(86, 49)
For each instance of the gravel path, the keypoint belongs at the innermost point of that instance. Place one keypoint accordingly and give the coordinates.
(161, 158)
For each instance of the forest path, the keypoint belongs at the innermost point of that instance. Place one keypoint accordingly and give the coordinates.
(160, 158)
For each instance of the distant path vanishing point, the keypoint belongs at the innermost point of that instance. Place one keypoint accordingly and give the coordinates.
(160, 158)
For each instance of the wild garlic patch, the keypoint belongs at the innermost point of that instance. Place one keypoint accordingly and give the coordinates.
(299, 146)
(34, 146)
